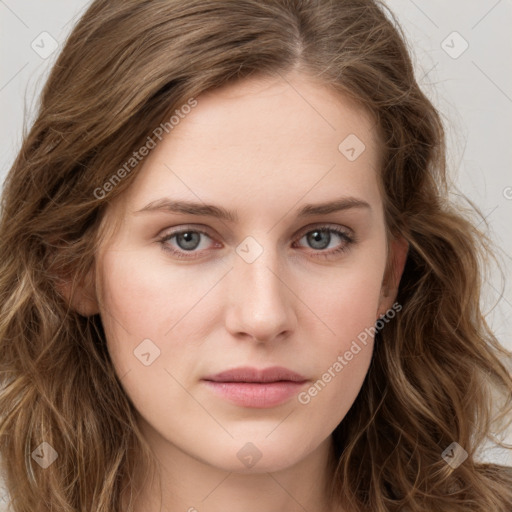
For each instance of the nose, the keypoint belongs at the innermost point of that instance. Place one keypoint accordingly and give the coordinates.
(261, 301)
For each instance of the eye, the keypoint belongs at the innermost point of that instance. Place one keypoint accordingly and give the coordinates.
(188, 242)
(321, 237)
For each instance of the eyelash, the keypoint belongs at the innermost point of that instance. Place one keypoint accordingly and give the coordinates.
(348, 239)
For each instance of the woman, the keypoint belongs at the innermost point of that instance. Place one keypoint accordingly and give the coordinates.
(175, 333)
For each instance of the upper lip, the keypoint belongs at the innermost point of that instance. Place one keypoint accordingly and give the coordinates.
(248, 374)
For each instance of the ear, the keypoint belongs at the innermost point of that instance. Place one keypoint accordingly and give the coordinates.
(397, 256)
(83, 298)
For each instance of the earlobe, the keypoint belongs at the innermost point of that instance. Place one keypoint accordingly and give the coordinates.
(399, 249)
(83, 298)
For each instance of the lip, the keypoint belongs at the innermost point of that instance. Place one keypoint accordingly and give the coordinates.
(261, 389)
(248, 374)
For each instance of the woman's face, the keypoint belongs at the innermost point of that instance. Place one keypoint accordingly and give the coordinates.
(292, 278)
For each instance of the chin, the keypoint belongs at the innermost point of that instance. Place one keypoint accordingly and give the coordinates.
(261, 455)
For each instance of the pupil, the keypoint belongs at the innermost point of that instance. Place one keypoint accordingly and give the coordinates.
(317, 236)
(188, 238)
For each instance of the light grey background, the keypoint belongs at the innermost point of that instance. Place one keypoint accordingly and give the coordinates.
(472, 88)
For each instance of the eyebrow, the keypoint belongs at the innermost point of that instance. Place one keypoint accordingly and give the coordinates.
(209, 210)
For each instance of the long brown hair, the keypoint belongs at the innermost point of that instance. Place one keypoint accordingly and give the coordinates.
(438, 374)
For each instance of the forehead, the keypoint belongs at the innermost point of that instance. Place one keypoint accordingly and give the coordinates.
(261, 143)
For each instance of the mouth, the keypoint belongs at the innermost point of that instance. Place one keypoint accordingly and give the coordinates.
(253, 388)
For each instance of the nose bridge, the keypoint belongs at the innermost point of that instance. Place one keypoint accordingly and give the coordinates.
(258, 266)
(260, 301)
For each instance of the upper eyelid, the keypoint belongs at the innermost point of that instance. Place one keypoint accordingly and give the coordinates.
(327, 226)
(206, 229)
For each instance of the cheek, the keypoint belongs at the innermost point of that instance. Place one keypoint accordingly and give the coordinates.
(341, 360)
(144, 300)
(144, 312)
(346, 302)
(347, 309)
(337, 385)
(143, 295)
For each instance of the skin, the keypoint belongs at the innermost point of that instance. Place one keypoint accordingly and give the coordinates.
(262, 147)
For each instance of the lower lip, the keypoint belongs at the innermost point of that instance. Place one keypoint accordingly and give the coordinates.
(255, 395)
